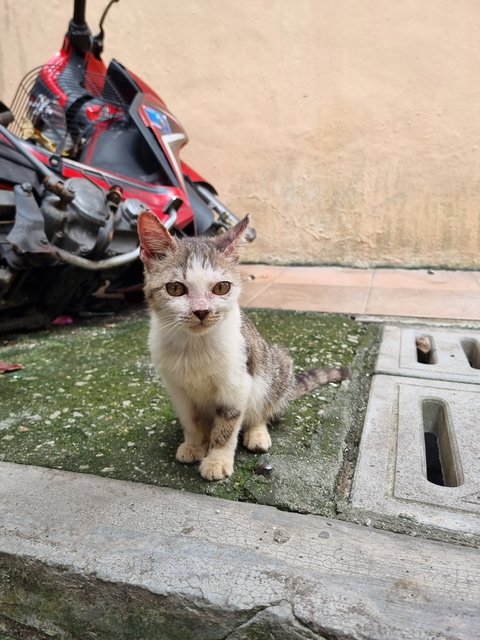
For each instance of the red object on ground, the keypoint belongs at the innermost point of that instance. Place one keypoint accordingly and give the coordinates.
(6, 367)
(62, 321)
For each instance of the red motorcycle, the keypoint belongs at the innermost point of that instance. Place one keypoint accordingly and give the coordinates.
(84, 148)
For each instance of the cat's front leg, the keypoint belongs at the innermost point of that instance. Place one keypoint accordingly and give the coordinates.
(218, 463)
(195, 445)
(189, 452)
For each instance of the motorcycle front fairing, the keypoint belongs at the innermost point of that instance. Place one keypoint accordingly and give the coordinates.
(107, 124)
(143, 152)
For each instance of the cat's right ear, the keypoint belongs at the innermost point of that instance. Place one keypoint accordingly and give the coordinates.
(155, 240)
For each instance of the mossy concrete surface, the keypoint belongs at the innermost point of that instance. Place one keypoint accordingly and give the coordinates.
(88, 400)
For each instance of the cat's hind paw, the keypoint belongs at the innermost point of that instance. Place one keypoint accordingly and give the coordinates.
(188, 453)
(216, 468)
(257, 439)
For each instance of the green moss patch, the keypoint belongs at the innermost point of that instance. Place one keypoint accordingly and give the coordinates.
(88, 400)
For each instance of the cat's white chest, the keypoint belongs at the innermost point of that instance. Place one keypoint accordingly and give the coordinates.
(203, 366)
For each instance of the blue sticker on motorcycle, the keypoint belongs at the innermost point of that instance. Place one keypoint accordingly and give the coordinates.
(158, 120)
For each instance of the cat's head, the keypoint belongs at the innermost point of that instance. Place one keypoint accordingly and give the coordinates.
(190, 283)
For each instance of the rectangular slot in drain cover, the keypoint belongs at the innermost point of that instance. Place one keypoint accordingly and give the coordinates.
(392, 469)
(438, 354)
(472, 352)
(442, 458)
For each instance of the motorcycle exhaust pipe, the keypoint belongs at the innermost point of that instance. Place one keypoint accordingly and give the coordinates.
(98, 265)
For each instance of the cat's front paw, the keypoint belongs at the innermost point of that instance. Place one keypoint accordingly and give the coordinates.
(188, 453)
(257, 439)
(216, 468)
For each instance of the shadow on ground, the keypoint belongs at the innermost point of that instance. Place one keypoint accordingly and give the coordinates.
(87, 400)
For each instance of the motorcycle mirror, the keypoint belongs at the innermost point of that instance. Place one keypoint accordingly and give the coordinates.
(97, 43)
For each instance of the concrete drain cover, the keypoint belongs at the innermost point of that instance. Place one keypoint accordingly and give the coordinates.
(436, 354)
(420, 450)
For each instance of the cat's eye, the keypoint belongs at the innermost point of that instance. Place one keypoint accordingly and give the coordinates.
(176, 289)
(221, 288)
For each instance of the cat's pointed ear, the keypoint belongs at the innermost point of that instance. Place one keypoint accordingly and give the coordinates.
(228, 243)
(155, 240)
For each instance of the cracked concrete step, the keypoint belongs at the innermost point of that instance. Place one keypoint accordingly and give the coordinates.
(397, 471)
(80, 551)
(455, 353)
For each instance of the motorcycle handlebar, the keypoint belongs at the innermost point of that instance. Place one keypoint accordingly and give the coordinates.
(79, 12)
(78, 33)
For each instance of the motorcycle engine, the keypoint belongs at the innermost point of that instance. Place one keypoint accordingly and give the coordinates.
(81, 219)
(92, 225)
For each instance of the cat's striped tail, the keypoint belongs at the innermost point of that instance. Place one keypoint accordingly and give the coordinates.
(309, 380)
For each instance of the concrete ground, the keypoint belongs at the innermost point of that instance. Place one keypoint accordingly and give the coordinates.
(402, 293)
(88, 557)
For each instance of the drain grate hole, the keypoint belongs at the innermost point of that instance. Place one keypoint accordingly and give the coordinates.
(432, 455)
(471, 349)
(426, 352)
(443, 465)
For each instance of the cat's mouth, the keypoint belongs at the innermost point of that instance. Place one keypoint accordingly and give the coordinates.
(199, 326)
(201, 321)
(202, 325)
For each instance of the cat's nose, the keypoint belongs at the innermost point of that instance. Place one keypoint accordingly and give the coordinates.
(201, 314)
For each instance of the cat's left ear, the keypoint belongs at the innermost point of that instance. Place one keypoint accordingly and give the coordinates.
(155, 240)
(228, 243)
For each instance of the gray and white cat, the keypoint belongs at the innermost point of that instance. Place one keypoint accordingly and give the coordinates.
(221, 374)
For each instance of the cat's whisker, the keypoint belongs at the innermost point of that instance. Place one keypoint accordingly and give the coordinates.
(173, 328)
(170, 326)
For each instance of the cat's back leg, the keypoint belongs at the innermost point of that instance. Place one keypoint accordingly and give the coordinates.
(256, 438)
(270, 395)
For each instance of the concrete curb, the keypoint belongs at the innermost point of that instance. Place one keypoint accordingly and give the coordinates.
(88, 557)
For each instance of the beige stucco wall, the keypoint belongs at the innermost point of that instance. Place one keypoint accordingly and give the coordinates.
(350, 129)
